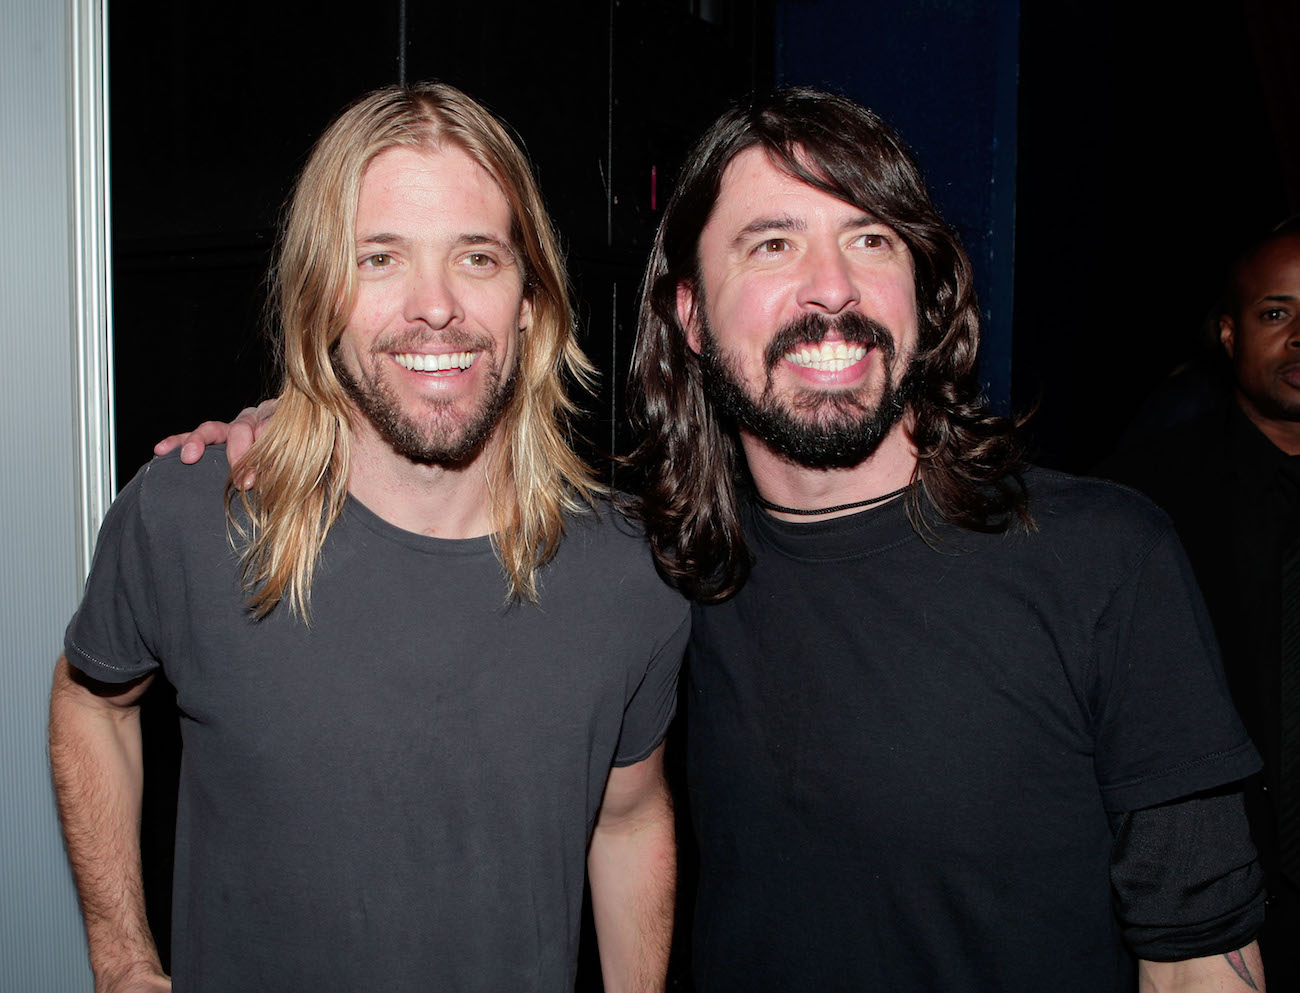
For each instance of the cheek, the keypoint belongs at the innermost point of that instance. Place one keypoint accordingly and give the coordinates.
(1251, 345)
(750, 310)
(371, 311)
(893, 303)
(896, 296)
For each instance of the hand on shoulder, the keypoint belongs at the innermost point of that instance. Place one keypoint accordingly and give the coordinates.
(238, 436)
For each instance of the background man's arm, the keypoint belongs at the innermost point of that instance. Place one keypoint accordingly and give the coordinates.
(96, 761)
(632, 865)
(1236, 972)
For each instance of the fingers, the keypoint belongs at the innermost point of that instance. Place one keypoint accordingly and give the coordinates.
(264, 410)
(170, 442)
(238, 436)
(192, 443)
(243, 432)
(246, 429)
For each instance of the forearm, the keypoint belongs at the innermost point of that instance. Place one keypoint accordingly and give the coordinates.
(632, 865)
(1241, 971)
(95, 759)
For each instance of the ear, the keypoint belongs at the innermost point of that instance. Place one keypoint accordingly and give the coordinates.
(1227, 334)
(525, 314)
(688, 316)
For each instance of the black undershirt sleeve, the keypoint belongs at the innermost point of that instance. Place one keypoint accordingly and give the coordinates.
(1186, 880)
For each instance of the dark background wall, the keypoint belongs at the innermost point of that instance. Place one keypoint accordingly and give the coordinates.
(1152, 143)
(1101, 161)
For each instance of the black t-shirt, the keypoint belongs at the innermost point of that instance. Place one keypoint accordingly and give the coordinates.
(398, 797)
(904, 754)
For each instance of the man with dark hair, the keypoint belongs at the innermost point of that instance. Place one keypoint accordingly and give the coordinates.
(1230, 479)
(953, 724)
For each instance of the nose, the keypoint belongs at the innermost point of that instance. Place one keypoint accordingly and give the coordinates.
(431, 298)
(828, 284)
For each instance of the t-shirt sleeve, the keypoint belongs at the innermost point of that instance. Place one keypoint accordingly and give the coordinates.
(1164, 725)
(654, 701)
(113, 635)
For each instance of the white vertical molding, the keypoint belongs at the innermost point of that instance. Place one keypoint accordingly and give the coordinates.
(92, 317)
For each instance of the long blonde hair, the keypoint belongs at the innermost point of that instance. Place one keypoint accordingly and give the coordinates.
(302, 459)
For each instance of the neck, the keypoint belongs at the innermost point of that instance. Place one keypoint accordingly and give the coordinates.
(780, 481)
(1282, 433)
(425, 499)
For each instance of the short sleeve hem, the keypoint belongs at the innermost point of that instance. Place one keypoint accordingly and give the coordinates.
(1203, 773)
(98, 668)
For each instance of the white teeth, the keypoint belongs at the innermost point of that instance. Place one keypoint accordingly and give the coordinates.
(828, 356)
(418, 362)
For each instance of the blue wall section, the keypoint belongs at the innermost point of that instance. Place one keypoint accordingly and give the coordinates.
(945, 75)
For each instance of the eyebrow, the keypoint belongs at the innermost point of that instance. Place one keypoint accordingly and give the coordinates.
(785, 222)
(382, 238)
(472, 238)
(464, 240)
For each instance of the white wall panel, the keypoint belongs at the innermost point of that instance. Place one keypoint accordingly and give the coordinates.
(41, 942)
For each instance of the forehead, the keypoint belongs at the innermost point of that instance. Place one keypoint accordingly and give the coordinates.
(403, 187)
(753, 185)
(1276, 266)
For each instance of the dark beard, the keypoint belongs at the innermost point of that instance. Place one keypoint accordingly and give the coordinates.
(376, 399)
(819, 429)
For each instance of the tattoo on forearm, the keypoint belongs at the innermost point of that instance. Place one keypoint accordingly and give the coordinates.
(1238, 963)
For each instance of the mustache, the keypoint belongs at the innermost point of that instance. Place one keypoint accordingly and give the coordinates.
(414, 339)
(812, 329)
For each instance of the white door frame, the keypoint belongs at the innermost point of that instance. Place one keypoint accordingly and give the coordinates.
(91, 247)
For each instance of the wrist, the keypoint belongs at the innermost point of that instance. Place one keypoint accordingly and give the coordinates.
(121, 974)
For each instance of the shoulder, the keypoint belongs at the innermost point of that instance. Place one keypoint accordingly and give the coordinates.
(167, 490)
(167, 473)
(607, 554)
(1065, 498)
(1085, 519)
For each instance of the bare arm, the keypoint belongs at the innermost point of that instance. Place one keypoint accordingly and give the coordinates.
(632, 865)
(95, 757)
(1236, 972)
(238, 435)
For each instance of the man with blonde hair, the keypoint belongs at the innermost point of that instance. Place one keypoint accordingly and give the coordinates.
(423, 672)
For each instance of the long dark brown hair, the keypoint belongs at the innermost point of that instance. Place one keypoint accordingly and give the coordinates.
(688, 462)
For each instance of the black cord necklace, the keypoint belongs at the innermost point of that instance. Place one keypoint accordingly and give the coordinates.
(767, 504)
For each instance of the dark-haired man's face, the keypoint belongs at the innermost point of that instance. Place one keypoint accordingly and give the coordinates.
(806, 327)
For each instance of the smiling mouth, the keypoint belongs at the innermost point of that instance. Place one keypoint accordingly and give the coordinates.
(828, 356)
(419, 362)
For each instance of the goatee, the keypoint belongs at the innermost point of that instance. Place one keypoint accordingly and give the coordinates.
(816, 428)
(438, 437)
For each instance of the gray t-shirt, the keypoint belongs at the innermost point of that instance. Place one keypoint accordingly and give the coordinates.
(400, 795)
